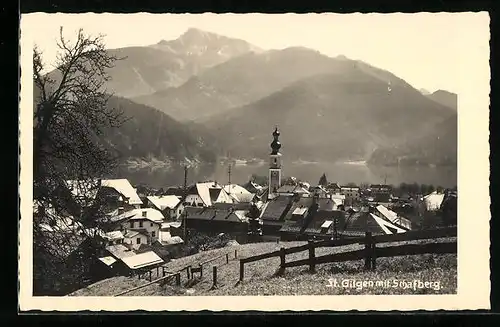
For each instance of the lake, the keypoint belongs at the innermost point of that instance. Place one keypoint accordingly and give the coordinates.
(341, 173)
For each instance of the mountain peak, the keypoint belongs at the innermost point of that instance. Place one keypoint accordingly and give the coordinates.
(193, 34)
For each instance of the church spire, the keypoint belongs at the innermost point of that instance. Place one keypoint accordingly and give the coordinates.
(276, 145)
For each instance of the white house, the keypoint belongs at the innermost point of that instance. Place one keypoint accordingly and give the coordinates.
(433, 201)
(135, 238)
(167, 204)
(239, 193)
(119, 189)
(351, 193)
(146, 221)
(205, 194)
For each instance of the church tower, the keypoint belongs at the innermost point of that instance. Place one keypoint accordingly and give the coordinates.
(275, 163)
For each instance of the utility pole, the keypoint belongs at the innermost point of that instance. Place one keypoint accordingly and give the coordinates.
(229, 177)
(185, 177)
(185, 194)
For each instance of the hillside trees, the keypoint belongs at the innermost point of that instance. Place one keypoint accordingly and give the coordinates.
(70, 112)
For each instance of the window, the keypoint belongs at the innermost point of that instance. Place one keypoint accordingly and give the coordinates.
(153, 234)
(140, 224)
(138, 240)
(131, 224)
(151, 224)
(144, 213)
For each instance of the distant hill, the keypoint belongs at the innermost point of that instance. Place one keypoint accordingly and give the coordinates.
(445, 98)
(240, 81)
(149, 134)
(438, 147)
(145, 70)
(343, 115)
(424, 92)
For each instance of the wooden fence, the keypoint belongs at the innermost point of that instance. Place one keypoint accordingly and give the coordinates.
(369, 253)
(189, 269)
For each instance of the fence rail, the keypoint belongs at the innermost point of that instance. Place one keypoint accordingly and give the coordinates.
(369, 253)
(177, 274)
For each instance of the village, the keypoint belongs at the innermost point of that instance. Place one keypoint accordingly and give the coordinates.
(144, 228)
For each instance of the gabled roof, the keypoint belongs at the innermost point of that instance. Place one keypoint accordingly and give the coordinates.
(151, 214)
(320, 218)
(386, 226)
(253, 187)
(302, 202)
(116, 235)
(142, 260)
(277, 208)
(239, 193)
(433, 201)
(165, 201)
(108, 261)
(123, 187)
(292, 189)
(119, 251)
(209, 192)
(213, 214)
(394, 217)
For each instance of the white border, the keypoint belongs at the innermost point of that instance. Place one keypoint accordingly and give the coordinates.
(474, 202)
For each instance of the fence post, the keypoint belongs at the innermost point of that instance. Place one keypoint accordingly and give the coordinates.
(282, 260)
(227, 257)
(163, 271)
(215, 275)
(235, 254)
(242, 270)
(178, 279)
(188, 272)
(312, 257)
(201, 271)
(368, 250)
(150, 275)
(374, 256)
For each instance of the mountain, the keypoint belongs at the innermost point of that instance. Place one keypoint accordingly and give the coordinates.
(438, 147)
(424, 92)
(240, 81)
(144, 70)
(149, 135)
(445, 98)
(337, 116)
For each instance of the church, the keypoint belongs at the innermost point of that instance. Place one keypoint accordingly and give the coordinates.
(275, 173)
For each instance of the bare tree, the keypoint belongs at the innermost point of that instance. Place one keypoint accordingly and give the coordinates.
(70, 114)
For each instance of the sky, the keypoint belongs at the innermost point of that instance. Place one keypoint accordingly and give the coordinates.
(424, 49)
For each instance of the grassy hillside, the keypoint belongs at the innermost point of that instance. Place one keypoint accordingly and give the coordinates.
(260, 276)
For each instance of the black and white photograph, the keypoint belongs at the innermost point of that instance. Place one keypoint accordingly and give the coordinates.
(249, 156)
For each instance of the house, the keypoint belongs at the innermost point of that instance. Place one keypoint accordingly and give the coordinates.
(167, 204)
(134, 239)
(179, 192)
(212, 220)
(292, 189)
(239, 193)
(333, 188)
(330, 204)
(380, 192)
(324, 224)
(433, 201)
(205, 194)
(320, 191)
(358, 223)
(113, 192)
(147, 221)
(351, 193)
(273, 214)
(253, 187)
(141, 262)
(382, 212)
